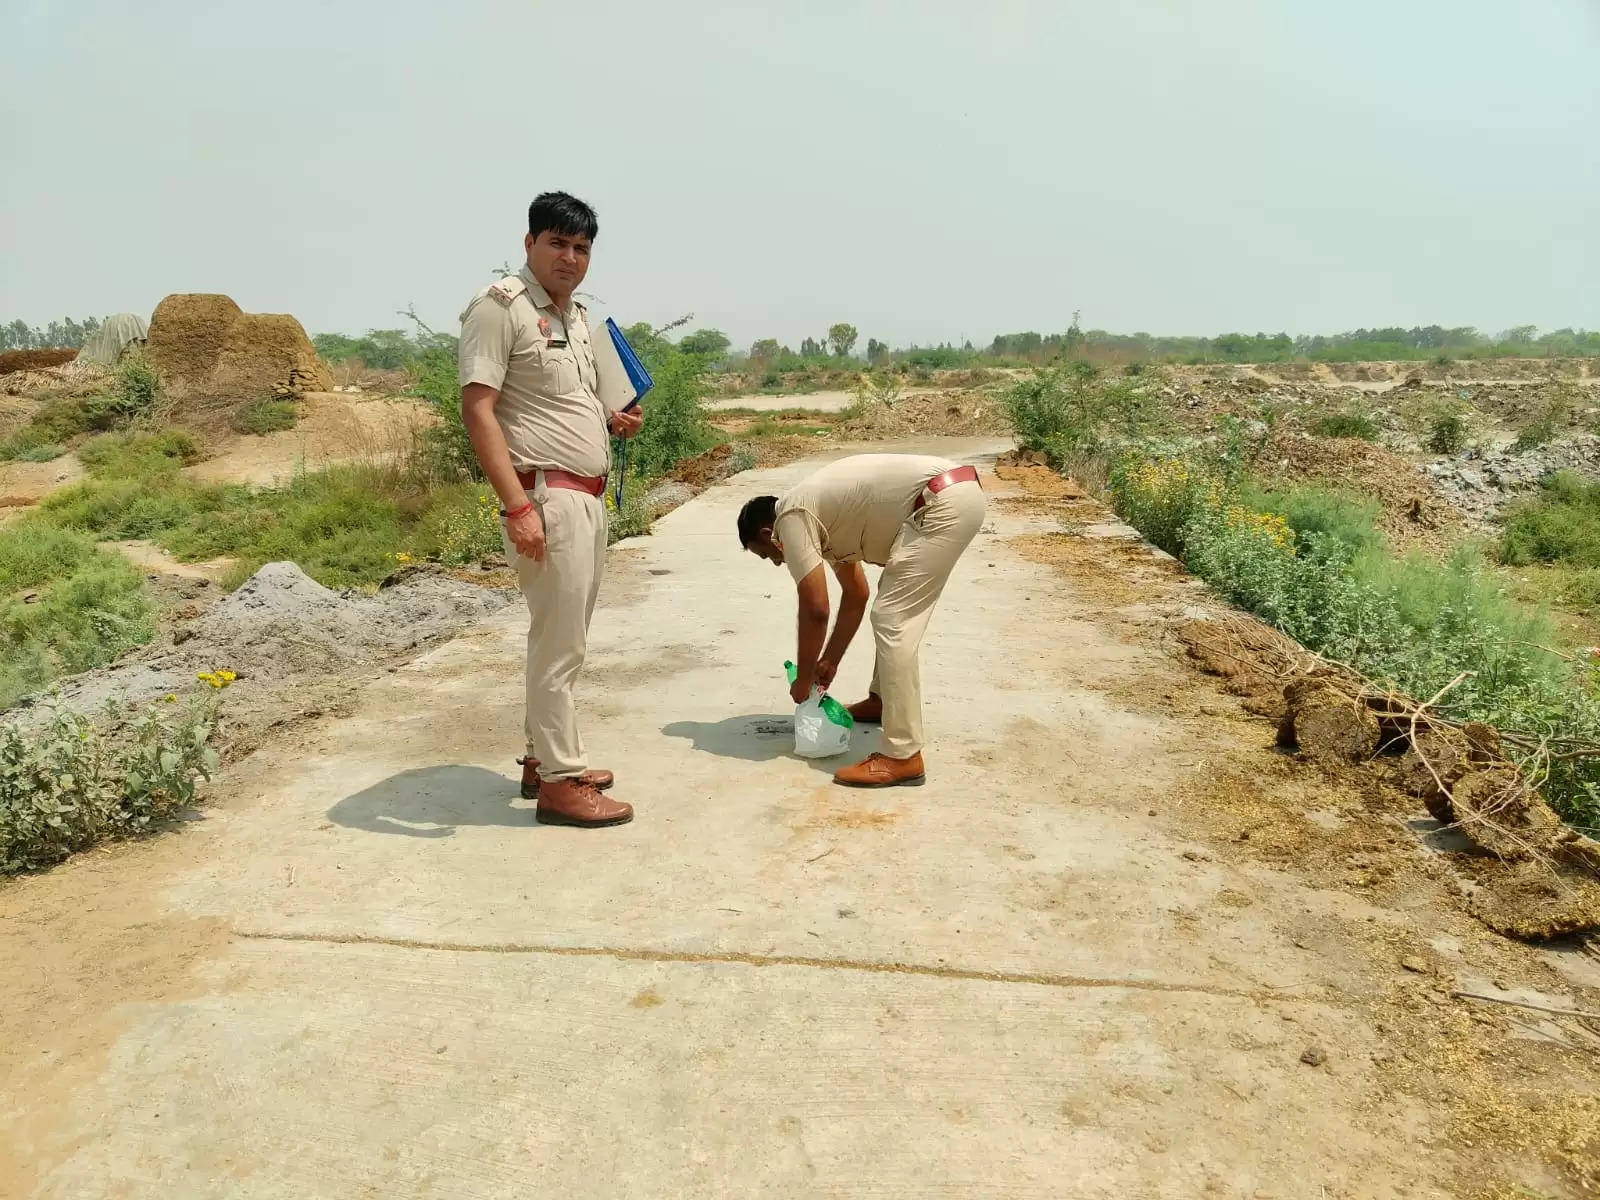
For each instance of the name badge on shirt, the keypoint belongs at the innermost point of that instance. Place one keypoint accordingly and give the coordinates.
(556, 343)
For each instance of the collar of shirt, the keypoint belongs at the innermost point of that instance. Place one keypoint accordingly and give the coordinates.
(540, 297)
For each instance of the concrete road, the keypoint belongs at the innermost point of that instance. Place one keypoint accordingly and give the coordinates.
(368, 973)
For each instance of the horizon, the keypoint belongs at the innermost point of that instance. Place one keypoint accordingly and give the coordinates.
(928, 173)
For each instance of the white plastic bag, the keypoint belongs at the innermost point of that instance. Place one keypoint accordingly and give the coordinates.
(819, 731)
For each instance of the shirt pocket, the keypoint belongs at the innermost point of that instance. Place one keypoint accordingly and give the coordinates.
(558, 370)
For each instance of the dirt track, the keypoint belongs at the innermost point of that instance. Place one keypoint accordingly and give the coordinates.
(1091, 958)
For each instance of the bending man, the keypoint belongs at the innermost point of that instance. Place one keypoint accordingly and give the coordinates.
(914, 516)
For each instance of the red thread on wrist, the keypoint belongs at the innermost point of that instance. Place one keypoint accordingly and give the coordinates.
(517, 512)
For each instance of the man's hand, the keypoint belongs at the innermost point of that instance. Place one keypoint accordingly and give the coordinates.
(799, 691)
(825, 672)
(527, 534)
(626, 424)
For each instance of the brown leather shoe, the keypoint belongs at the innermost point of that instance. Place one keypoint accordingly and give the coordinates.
(530, 778)
(868, 711)
(882, 771)
(573, 802)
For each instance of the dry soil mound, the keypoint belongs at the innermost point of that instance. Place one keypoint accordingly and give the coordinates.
(297, 647)
(207, 349)
(32, 360)
(928, 414)
(1413, 510)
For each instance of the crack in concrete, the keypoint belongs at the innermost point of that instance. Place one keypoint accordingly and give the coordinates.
(968, 974)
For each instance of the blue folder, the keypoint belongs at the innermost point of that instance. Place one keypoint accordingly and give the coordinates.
(637, 375)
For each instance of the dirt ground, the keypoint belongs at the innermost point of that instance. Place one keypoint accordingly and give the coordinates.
(334, 427)
(1120, 945)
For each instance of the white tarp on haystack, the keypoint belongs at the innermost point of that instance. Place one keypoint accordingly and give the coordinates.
(112, 338)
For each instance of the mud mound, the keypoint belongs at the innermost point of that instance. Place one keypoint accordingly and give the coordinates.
(187, 333)
(212, 354)
(271, 349)
(298, 648)
(928, 414)
(1413, 510)
(283, 621)
(703, 470)
(33, 360)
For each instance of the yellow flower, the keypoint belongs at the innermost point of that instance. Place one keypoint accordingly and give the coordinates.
(402, 557)
(171, 699)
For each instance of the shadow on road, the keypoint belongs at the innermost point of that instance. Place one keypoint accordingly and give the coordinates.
(431, 801)
(765, 737)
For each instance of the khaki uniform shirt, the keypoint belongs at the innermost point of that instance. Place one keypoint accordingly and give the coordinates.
(514, 339)
(851, 510)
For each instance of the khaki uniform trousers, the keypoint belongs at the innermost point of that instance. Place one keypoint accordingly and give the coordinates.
(920, 562)
(560, 592)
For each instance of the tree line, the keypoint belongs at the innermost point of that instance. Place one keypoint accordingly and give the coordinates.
(65, 334)
(394, 349)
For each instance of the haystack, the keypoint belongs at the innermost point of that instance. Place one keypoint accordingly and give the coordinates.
(206, 348)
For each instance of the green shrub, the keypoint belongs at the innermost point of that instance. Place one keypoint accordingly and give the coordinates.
(1447, 432)
(1350, 424)
(631, 521)
(65, 605)
(1068, 412)
(67, 785)
(266, 416)
(675, 425)
(1540, 433)
(461, 526)
(342, 525)
(137, 455)
(138, 385)
(1580, 592)
(743, 458)
(41, 452)
(33, 553)
(1336, 518)
(1163, 497)
(444, 451)
(1559, 525)
(1557, 414)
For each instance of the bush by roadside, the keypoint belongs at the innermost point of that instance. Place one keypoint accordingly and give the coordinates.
(66, 784)
(1312, 564)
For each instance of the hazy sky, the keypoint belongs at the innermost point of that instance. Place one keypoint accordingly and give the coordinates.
(925, 170)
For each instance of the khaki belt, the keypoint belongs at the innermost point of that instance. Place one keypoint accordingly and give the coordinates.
(939, 482)
(594, 485)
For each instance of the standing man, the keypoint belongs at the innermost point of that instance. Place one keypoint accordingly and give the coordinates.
(912, 515)
(530, 403)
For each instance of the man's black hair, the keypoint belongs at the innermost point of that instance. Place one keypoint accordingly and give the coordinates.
(563, 214)
(756, 516)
